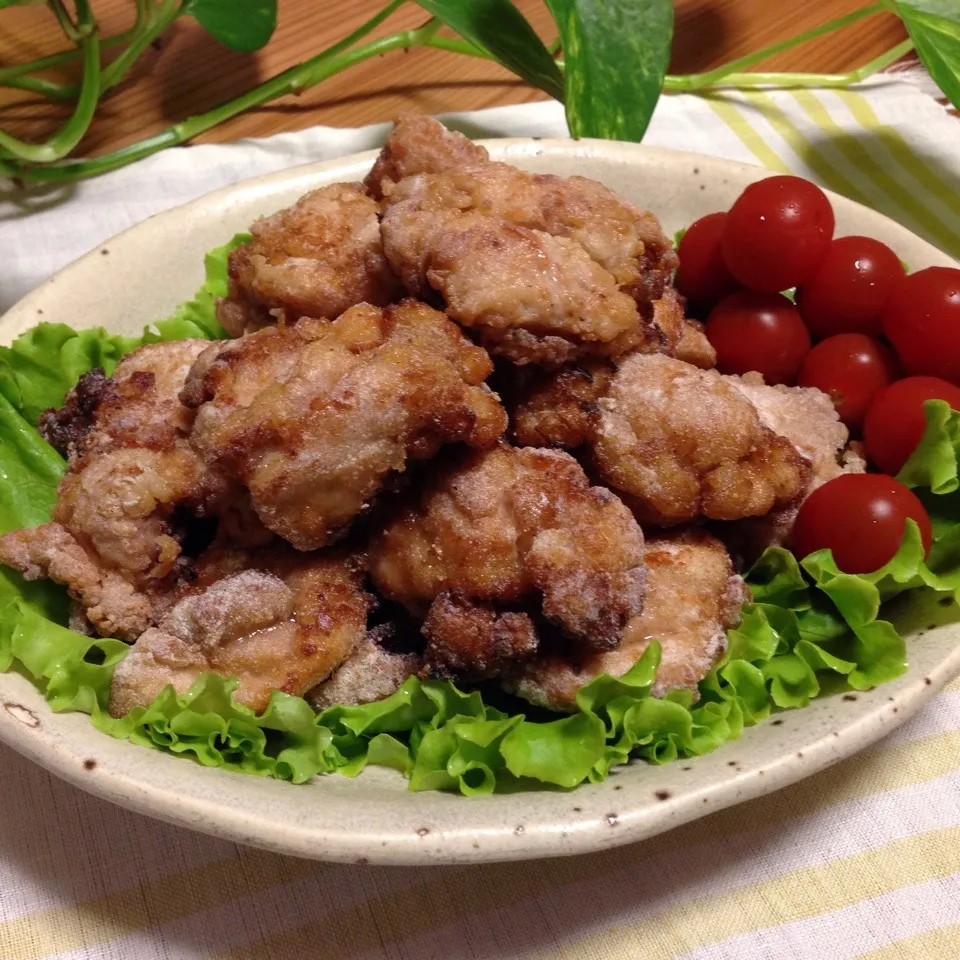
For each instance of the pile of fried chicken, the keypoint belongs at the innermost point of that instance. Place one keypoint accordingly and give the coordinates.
(463, 430)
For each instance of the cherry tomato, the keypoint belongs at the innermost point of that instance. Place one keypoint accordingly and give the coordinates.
(777, 233)
(895, 419)
(849, 368)
(758, 331)
(922, 321)
(861, 517)
(703, 277)
(850, 288)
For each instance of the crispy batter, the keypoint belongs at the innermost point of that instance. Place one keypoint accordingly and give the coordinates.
(558, 409)
(115, 541)
(685, 339)
(625, 241)
(562, 408)
(421, 145)
(808, 419)
(370, 673)
(498, 532)
(693, 596)
(678, 443)
(314, 259)
(276, 620)
(316, 418)
(533, 298)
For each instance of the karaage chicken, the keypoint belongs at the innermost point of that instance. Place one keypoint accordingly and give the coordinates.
(693, 597)
(316, 418)
(500, 538)
(678, 443)
(275, 619)
(115, 538)
(314, 259)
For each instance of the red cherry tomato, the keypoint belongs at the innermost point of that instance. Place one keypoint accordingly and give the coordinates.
(850, 288)
(758, 331)
(703, 277)
(895, 419)
(861, 517)
(922, 321)
(777, 233)
(849, 368)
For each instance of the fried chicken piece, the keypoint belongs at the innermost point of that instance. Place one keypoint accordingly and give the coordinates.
(532, 298)
(314, 259)
(558, 409)
(562, 408)
(370, 673)
(497, 534)
(808, 419)
(436, 164)
(275, 619)
(693, 596)
(115, 536)
(685, 339)
(678, 442)
(315, 419)
(421, 145)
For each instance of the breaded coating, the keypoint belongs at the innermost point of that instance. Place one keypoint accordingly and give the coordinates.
(693, 596)
(685, 339)
(277, 620)
(626, 241)
(562, 408)
(531, 297)
(808, 419)
(558, 409)
(315, 419)
(420, 144)
(498, 535)
(115, 539)
(314, 259)
(678, 442)
(108, 598)
(370, 673)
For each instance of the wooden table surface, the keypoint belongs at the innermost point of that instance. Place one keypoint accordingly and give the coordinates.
(191, 72)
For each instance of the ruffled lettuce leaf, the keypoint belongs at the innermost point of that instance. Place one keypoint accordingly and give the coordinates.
(809, 628)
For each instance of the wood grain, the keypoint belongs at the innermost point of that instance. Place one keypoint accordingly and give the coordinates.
(191, 72)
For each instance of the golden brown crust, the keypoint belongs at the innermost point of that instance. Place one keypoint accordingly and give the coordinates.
(314, 259)
(114, 541)
(693, 597)
(558, 409)
(501, 531)
(420, 145)
(316, 418)
(275, 619)
(684, 339)
(678, 442)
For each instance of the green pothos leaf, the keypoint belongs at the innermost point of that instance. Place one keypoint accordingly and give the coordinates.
(616, 57)
(244, 25)
(502, 30)
(934, 27)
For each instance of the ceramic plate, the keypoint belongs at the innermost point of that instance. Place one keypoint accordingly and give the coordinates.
(140, 276)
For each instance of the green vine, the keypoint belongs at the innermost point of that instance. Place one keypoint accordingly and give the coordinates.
(593, 86)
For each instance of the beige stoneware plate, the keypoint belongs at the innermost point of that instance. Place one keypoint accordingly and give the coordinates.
(140, 276)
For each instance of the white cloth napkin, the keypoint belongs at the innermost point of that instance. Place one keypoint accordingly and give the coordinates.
(862, 860)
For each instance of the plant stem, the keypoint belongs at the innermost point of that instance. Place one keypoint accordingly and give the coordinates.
(297, 78)
(46, 88)
(68, 56)
(455, 45)
(63, 18)
(70, 134)
(157, 21)
(788, 80)
(697, 81)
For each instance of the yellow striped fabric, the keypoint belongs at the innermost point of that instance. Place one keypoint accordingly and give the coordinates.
(861, 860)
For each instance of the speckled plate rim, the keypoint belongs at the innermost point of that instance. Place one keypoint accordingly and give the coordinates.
(374, 819)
